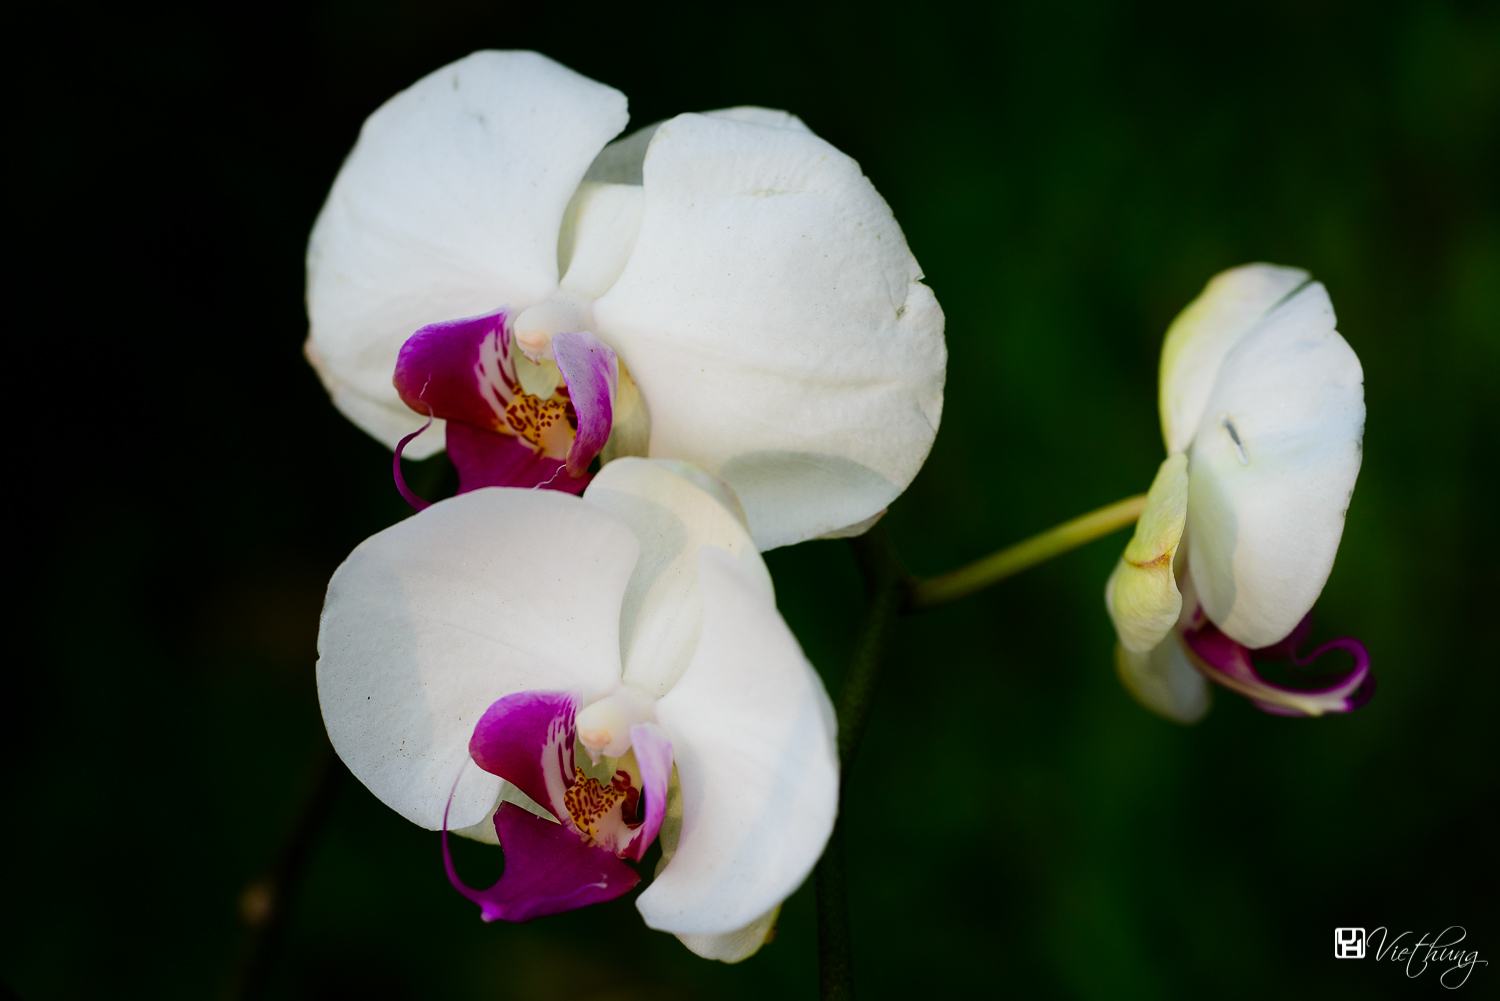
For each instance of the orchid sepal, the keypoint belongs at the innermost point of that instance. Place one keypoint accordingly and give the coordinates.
(1142, 594)
(1165, 681)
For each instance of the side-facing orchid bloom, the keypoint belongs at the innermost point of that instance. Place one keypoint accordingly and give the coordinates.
(1262, 408)
(568, 677)
(724, 288)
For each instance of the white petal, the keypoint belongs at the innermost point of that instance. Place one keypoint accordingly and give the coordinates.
(674, 510)
(728, 947)
(631, 433)
(426, 624)
(857, 529)
(775, 322)
(598, 233)
(1204, 332)
(620, 162)
(770, 118)
(1163, 680)
(753, 735)
(1265, 512)
(380, 420)
(735, 946)
(448, 206)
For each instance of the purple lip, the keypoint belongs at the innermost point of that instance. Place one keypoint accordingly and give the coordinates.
(528, 740)
(499, 436)
(1232, 665)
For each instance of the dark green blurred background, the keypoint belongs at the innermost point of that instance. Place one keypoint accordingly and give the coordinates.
(1069, 176)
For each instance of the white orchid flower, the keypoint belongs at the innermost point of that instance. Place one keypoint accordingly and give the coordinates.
(724, 288)
(1262, 409)
(614, 665)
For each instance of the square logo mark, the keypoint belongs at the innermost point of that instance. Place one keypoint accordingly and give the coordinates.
(1349, 943)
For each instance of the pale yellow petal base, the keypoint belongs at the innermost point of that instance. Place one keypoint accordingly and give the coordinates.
(1141, 595)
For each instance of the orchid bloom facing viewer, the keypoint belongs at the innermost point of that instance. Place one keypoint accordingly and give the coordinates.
(1262, 409)
(569, 676)
(725, 289)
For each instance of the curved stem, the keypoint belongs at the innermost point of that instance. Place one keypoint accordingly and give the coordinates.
(266, 904)
(835, 969)
(890, 591)
(886, 582)
(1023, 555)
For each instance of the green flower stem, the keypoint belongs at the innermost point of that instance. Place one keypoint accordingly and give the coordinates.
(835, 969)
(892, 592)
(980, 574)
(886, 583)
(266, 905)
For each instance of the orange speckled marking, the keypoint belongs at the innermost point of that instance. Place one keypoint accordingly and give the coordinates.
(530, 416)
(590, 802)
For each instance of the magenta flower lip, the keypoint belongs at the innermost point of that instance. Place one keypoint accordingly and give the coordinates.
(550, 867)
(1232, 665)
(498, 435)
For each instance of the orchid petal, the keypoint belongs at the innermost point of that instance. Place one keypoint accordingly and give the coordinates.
(598, 233)
(458, 370)
(432, 620)
(653, 756)
(738, 945)
(486, 459)
(1272, 468)
(674, 510)
(728, 947)
(548, 870)
(1232, 303)
(1287, 648)
(417, 503)
(381, 420)
(631, 433)
(1141, 594)
(753, 737)
(465, 371)
(1229, 663)
(776, 324)
(526, 738)
(449, 205)
(771, 118)
(592, 373)
(621, 161)
(1163, 680)
(857, 529)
